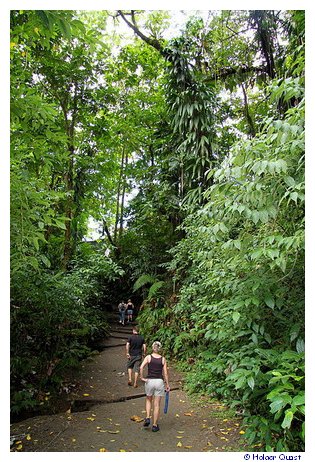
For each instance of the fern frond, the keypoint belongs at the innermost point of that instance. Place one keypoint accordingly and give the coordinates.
(154, 289)
(143, 280)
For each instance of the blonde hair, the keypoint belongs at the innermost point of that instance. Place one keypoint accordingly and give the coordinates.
(156, 346)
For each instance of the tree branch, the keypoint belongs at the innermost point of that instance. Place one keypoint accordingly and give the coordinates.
(229, 71)
(223, 73)
(106, 230)
(133, 25)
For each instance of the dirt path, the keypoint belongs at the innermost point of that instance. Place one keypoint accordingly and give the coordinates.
(101, 411)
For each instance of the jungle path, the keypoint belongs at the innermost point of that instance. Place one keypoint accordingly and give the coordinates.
(105, 414)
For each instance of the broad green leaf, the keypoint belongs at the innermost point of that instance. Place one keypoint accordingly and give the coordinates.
(45, 260)
(269, 300)
(236, 316)
(251, 382)
(287, 419)
(254, 338)
(237, 244)
(300, 346)
(298, 400)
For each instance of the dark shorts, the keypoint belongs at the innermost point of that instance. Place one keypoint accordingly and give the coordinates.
(134, 363)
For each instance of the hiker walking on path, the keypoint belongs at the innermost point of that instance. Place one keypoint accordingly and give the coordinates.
(129, 310)
(154, 384)
(122, 311)
(135, 348)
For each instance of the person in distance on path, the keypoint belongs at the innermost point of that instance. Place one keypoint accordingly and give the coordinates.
(129, 310)
(122, 310)
(135, 348)
(154, 384)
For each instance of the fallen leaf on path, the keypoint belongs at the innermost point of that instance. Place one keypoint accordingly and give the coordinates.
(103, 450)
(122, 450)
(102, 431)
(179, 444)
(112, 441)
(136, 418)
(113, 432)
(117, 425)
(90, 418)
(86, 394)
(188, 447)
(179, 437)
(225, 420)
(242, 432)
(18, 442)
(94, 415)
(19, 447)
(176, 415)
(209, 444)
(98, 428)
(180, 431)
(73, 440)
(188, 413)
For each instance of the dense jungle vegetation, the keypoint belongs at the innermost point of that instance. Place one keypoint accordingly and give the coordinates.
(186, 147)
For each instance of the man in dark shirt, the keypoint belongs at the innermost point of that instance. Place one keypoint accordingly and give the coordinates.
(135, 348)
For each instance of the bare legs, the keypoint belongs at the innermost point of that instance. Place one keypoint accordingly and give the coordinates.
(156, 407)
(135, 384)
(148, 404)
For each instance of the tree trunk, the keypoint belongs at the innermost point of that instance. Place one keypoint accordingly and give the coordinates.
(67, 249)
(69, 182)
(251, 126)
(121, 222)
(117, 220)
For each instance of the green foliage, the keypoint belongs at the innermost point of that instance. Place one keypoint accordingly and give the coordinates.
(191, 105)
(155, 289)
(144, 279)
(157, 326)
(57, 319)
(240, 312)
(212, 151)
(155, 286)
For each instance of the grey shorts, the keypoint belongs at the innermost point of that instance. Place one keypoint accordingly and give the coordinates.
(154, 387)
(134, 363)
